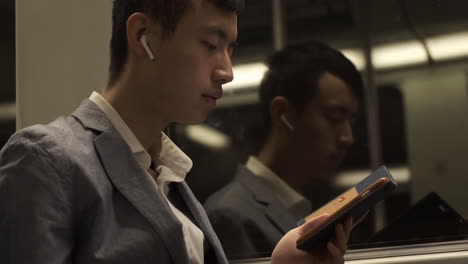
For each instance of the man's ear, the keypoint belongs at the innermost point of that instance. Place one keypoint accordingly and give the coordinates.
(142, 35)
(282, 113)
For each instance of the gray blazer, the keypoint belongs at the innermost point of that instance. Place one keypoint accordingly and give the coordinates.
(247, 217)
(72, 192)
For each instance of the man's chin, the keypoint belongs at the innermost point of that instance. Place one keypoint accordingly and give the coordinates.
(196, 120)
(193, 119)
(328, 174)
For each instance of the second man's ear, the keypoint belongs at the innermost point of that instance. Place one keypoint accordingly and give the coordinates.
(286, 122)
(146, 47)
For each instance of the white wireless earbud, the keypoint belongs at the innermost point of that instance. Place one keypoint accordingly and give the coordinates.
(286, 122)
(146, 47)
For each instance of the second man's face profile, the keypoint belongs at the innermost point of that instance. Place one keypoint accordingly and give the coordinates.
(323, 131)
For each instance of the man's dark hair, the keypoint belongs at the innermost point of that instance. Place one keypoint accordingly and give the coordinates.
(295, 72)
(166, 12)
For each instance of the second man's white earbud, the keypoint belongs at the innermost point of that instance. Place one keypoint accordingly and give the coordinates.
(146, 47)
(286, 122)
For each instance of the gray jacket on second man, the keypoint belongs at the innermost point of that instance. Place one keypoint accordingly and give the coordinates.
(72, 192)
(247, 217)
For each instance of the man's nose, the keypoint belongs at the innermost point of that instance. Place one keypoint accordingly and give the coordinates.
(223, 73)
(346, 137)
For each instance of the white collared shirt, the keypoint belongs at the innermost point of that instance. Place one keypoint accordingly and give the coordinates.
(289, 197)
(172, 166)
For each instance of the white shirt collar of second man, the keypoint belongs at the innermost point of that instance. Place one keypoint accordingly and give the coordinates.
(285, 193)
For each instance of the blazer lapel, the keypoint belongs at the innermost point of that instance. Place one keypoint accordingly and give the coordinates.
(274, 210)
(200, 216)
(280, 217)
(131, 180)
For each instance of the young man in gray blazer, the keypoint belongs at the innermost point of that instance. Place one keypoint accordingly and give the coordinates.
(105, 185)
(309, 98)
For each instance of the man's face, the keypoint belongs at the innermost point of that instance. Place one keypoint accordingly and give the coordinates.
(191, 66)
(323, 132)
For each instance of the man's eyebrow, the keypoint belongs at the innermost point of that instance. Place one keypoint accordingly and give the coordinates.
(341, 108)
(337, 107)
(220, 33)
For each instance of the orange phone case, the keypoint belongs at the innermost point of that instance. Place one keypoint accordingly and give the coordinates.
(338, 207)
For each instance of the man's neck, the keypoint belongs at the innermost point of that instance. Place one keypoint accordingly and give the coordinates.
(281, 165)
(146, 126)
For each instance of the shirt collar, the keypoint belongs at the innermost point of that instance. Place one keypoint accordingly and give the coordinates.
(174, 158)
(285, 193)
(170, 156)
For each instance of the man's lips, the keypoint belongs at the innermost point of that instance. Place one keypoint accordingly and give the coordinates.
(214, 95)
(337, 158)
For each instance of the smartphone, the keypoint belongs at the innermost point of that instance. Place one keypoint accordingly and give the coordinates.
(354, 201)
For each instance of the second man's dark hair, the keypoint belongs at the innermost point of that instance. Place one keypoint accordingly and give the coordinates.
(295, 71)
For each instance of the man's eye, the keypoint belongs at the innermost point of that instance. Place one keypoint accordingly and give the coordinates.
(209, 45)
(336, 117)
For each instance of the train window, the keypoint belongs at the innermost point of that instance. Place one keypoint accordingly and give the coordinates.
(412, 118)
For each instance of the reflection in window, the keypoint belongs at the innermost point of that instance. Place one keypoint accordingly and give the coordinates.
(420, 59)
(239, 123)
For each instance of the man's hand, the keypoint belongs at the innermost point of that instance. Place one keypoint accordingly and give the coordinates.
(286, 251)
